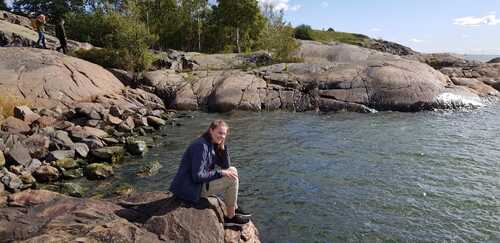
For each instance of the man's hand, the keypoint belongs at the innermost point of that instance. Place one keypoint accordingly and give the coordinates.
(230, 173)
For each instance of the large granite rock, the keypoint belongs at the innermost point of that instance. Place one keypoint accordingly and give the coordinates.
(14, 125)
(475, 75)
(494, 60)
(43, 216)
(332, 77)
(47, 77)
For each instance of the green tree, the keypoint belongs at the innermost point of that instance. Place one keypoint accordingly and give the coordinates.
(303, 32)
(52, 9)
(278, 36)
(123, 36)
(243, 16)
(3, 5)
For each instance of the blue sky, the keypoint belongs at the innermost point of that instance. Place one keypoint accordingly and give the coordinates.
(461, 26)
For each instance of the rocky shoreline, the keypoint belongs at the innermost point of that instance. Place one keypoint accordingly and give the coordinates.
(80, 120)
(45, 216)
(87, 139)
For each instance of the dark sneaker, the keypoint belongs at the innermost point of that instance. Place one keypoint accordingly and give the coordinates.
(239, 211)
(237, 220)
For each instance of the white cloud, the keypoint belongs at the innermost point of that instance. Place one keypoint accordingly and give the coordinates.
(375, 29)
(281, 5)
(324, 4)
(471, 21)
(295, 7)
(415, 40)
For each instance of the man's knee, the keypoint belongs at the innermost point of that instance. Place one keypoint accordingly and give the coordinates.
(233, 169)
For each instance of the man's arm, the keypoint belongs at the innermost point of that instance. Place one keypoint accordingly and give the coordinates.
(199, 165)
(225, 161)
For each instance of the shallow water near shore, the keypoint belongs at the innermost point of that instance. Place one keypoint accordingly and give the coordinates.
(389, 176)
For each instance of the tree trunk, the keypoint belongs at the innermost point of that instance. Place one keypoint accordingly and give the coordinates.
(238, 39)
(199, 34)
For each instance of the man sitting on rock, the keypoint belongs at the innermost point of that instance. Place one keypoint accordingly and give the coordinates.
(197, 176)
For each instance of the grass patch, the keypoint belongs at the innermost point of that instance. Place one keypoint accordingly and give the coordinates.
(343, 37)
(8, 103)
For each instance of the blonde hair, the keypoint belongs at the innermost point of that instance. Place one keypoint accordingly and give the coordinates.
(213, 125)
(218, 123)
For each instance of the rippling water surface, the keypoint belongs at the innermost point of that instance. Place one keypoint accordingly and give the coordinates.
(389, 176)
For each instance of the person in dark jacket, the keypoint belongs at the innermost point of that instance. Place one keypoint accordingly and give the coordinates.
(198, 176)
(61, 35)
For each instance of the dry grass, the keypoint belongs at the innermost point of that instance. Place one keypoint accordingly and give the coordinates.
(7, 104)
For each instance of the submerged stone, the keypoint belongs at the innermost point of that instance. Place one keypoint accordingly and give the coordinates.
(150, 169)
(66, 164)
(113, 154)
(73, 174)
(97, 171)
(136, 147)
(71, 189)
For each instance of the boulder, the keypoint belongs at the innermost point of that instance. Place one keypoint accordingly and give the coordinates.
(62, 138)
(494, 60)
(26, 114)
(113, 154)
(46, 121)
(65, 164)
(156, 121)
(127, 125)
(127, 78)
(19, 154)
(140, 217)
(164, 83)
(73, 174)
(150, 169)
(81, 149)
(238, 92)
(33, 165)
(113, 120)
(61, 155)
(97, 171)
(14, 125)
(37, 145)
(136, 147)
(115, 111)
(141, 121)
(479, 87)
(10, 180)
(71, 189)
(46, 173)
(45, 77)
(79, 133)
(32, 198)
(124, 190)
(27, 178)
(2, 159)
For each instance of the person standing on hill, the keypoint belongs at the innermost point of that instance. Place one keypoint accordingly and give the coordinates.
(39, 25)
(61, 35)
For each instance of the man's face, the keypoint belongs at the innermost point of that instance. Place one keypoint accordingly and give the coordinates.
(218, 134)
